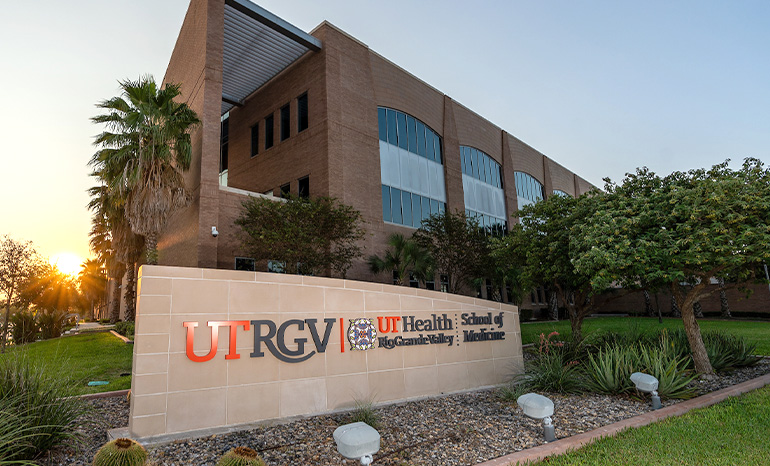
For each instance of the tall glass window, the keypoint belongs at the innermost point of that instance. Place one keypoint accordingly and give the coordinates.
(269, 126)
(411, 169)
(483, 189)
(528, 189)
(285, 122)
(302, 113)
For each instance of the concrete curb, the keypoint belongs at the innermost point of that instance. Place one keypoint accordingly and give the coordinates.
(94, 396)
(576, 441)
(125, 340)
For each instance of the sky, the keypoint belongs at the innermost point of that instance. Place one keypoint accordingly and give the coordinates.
(601, 87)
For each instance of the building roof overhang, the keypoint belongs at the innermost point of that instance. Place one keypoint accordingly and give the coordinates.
(257, 46)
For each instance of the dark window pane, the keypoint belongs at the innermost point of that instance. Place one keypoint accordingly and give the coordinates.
(395, 204)
(425, 208)
(285, 122)
(386, 215)
(406, 207)
(462, 159)
(429, 144)
(420, 138)
(303, 188)
(416, 211)
(411, 127)
(490, 180)
(484, 167)
(302, 113)
(254, 140)
(245, 263)
(437, 147)
(269, 127)
(285, 190)
(382, 122)
(474, 163)
(223, 158)
(402, 139)
(224, 138)
(392, 132)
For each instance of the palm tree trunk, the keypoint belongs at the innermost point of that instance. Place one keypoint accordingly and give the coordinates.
(115, 306)
(553, 305)
(648, 311)
(151, 248)
(675, 308)
(130, 295)
(723, 304)
(697, 309)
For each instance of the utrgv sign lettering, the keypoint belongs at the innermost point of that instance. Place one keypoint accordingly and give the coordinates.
(360, 334)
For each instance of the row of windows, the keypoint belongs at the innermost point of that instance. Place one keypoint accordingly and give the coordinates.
(495, 225)
(408, 209)
(527, 187)
(303, 188)
(408, 133)
(479, 165)
(285, 124)
(559, 192)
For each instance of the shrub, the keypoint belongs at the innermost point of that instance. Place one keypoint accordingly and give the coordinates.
(241, 456)
(725, 351)
(550, 373)
(25, 327)
(125, 328)
(512, 391)
(610, 370)
(669, 368)
(121, 452)
(15, 433)
(51, 323)
(365, 412)
(38, 399)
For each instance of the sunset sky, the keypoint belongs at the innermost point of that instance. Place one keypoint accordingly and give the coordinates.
(601, 87)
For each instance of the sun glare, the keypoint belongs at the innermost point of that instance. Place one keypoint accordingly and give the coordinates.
(67, 262)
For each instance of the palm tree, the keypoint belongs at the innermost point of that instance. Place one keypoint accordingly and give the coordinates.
(144, 151)
(403, 256)
(115, 244)
(93, 282)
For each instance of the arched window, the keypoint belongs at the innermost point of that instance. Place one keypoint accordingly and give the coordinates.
(559, 192)
(411, 169)
(528, 189)
(483, 188)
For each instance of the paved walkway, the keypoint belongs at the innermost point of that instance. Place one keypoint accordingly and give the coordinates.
(576, 441)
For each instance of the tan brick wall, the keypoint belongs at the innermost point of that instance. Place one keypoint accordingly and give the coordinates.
(171, 393)
(561, 178)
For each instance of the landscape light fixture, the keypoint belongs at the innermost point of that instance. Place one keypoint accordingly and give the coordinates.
(539, 407)
(648, 384)
(358, 440)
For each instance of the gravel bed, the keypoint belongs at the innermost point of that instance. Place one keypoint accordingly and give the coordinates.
(459, 429)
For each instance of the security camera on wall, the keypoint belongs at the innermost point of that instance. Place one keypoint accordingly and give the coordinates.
(214, 232)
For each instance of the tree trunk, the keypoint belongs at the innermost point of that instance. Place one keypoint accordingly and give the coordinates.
(674, 308)
(723, 304)
(115, 306)
(648, 311)
(692, 329)
(7, 315)
(92, 309)
(130, 294)
(553, 305)
(576, 324)
(697, 309)
(151, 248)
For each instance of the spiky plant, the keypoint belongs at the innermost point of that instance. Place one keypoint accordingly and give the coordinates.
(241, 456)
(121, 452)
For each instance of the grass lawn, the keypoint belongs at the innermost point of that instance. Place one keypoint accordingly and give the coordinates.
(85, 357)
(753, 331)
(729, 433)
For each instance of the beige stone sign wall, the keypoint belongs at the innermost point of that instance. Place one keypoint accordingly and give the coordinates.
(286, 346)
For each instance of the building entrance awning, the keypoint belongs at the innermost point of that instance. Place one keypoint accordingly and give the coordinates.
(257, 46)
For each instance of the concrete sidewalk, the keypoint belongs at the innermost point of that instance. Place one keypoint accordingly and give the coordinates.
(576, 441)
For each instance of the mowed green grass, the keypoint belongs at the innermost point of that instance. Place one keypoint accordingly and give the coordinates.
(757, 332)
(83, 358)
(734, 432)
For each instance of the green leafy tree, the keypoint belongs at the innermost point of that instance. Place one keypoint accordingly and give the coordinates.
(540, 245)
(318, 235)
(403, 256)
(19, 263)
(678, 232)
(458, 245)
(143, 153)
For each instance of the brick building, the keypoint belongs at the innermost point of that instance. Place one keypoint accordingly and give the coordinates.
(321, 114)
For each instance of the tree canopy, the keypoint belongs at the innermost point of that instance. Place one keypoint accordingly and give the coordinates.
(19, 263)
(316, 235)
(458, 245)
(403, 256)
(678, 232)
